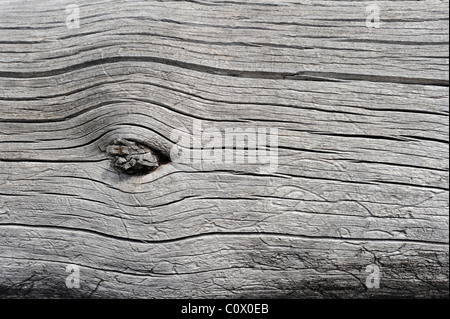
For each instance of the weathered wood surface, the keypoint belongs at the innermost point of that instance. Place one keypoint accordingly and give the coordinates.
(362, 116)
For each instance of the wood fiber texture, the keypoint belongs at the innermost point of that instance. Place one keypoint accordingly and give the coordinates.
(363, 149)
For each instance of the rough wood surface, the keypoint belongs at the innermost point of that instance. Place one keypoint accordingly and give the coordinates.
(362, 179)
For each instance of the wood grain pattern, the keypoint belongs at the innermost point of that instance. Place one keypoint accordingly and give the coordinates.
(362, 179)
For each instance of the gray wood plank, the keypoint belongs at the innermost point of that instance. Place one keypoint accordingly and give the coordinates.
(361, 176)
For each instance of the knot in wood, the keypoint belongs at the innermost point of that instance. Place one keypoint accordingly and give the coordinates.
(133, 157)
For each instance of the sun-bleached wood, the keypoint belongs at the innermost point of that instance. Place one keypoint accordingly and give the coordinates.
(362, 179)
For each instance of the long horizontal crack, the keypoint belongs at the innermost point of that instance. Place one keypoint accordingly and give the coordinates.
(217, 233)
(305, 76)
